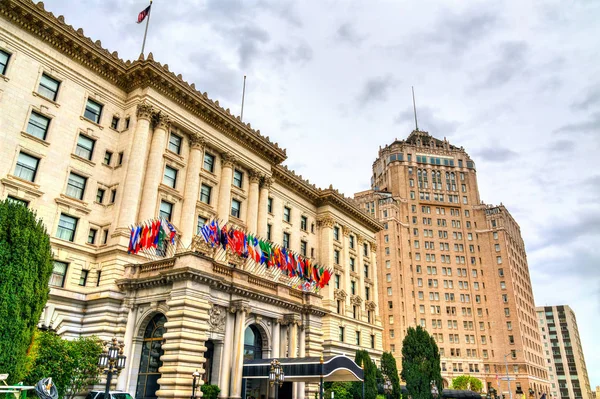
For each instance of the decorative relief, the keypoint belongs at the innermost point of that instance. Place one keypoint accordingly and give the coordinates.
(228, 160)
(345, 231)
(201, 246)
(356, 300)
(216, 318)
(370, 305)
(326, 222)
(254, 176)
(235, 259)
(359, 239)
(374, 246)
(239, 306)
(144, 111)
(267, 182)
(197, 141)
(161, 121)
(339, 294)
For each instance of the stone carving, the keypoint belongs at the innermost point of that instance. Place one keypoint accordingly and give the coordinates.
(267, 182)
(345, 231)
(326, 221)
(234, 259)
(356, 300)
(201, 246)
(359, 239)
(374, 246)
(216, 318)
(228, 160)
(197, 141)
(144, 111)
(370, 305)
(161, 121)
(254, 176)
(340, 294)
(239, 306)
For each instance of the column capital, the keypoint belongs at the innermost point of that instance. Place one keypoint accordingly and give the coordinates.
(228, 160)
(267, 182)
(360, 239)
(161, 120)
(346, 231)
(239, 306)
(373, 246)
(326, 221)
(144, 111)
(197, 141)
(254, 175)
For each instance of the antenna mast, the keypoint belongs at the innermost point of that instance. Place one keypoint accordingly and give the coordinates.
(415, 109)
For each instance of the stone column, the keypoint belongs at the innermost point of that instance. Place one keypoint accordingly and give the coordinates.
(217, 355)
(226, 356)
(292, 349)
(136, 166)
(301, 353)
(224, 206)
(262, 206)
(252, 212)
(373, 276)
(242, 309)
(360, 261)
(187, 331)
(128, 341)
(276, 333)
(154, 170)
(188, 221)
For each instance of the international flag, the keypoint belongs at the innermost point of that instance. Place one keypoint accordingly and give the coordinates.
(142, 15)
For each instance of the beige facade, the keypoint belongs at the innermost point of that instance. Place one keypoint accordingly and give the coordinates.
(563, 352)
(95, 145)
(452, 265)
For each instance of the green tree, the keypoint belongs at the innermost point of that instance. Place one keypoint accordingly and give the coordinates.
(466, 382)
(420, 363)
(26, 262)
(342, 390)
(389, 368)
(210, 391)
(370, 375)
(71, 364)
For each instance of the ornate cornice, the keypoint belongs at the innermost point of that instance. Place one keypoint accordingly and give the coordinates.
(161, 121)
(129, 75)
(144, 111)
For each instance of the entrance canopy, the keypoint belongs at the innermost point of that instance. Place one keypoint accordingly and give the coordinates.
(307, 369)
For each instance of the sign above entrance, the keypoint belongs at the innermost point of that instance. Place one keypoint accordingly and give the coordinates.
(303, 273)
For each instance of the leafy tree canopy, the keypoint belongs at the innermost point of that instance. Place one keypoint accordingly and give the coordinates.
(389, 368)
(26, 266)
(420, 363)
(466, 382)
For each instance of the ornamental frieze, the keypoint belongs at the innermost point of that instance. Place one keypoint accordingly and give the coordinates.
(216, 318)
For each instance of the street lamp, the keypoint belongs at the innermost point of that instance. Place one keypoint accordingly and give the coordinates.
(387, 386)
(276, 376)
(434, 389)
(112, 361)
(195, 376)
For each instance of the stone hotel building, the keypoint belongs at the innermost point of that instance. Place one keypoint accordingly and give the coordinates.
(453, 265)
(96, 145)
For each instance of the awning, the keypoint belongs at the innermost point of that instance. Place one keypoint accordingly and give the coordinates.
(307, 369)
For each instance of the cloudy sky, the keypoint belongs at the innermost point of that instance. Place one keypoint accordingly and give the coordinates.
(517, 84)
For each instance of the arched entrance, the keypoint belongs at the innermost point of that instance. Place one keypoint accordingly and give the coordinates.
(148, 375)
(253, 343)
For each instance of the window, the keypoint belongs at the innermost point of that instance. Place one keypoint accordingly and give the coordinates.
(76, 186)
(389, 291)
(286, 240)
(352, 264)
(336, 256)
(209, 162)
(336, 233)
(170, 177)
(166, 210)
(38, 125)
(366, 249)
(497, 247)
(98, 278)
(351, 238)
(238, 178)
(26, 168)
(502, 285)
(175, 146)
(127, 120)
(205, 193)
(367, 293)
(92, 236)
(48, 87)
(115, 122)
(507, 312)
(303, 245)
(499, 260)
(373, 341)
(353, 287)
(104, 236)
(59, 271)
(4, 57)
(93, 111)
(85, 147)
(113, 195)
(18, 201)
(366, 270)
(270, 205)
(236, 207)
(303, 222)
(495, 235)
(66, 227)
(120, 160)
(357, 336)
(269, 231)
(201, 222)
(287, 214)
(107, 157)
(341, 334)
(83, 277)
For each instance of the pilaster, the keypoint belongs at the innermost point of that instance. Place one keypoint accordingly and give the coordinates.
(263, 200)
(241, 311)
(224, 206)
(192, 189)
(252, 212)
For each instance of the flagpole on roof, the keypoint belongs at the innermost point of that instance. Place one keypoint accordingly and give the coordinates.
(243, 95)
(146, 30)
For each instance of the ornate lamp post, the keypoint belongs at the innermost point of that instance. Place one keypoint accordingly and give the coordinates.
(112, 361)
(387, 386)
(195, 376)
(434, 390)
(276, 376)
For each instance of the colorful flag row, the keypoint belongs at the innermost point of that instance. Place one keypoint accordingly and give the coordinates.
(151, 234)
(266, 253)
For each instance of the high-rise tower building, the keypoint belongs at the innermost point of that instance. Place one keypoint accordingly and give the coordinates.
(453, 265)
(563, 352)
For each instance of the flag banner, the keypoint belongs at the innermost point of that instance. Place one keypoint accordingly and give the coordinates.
(152, 234)
(304, 275)
(142, 15)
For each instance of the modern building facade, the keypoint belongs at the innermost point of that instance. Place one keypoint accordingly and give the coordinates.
(563, 352)
(96, 145)
(453, 265)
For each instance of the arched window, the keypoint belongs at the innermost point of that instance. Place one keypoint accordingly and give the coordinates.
(148, 375)
(252, 343)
